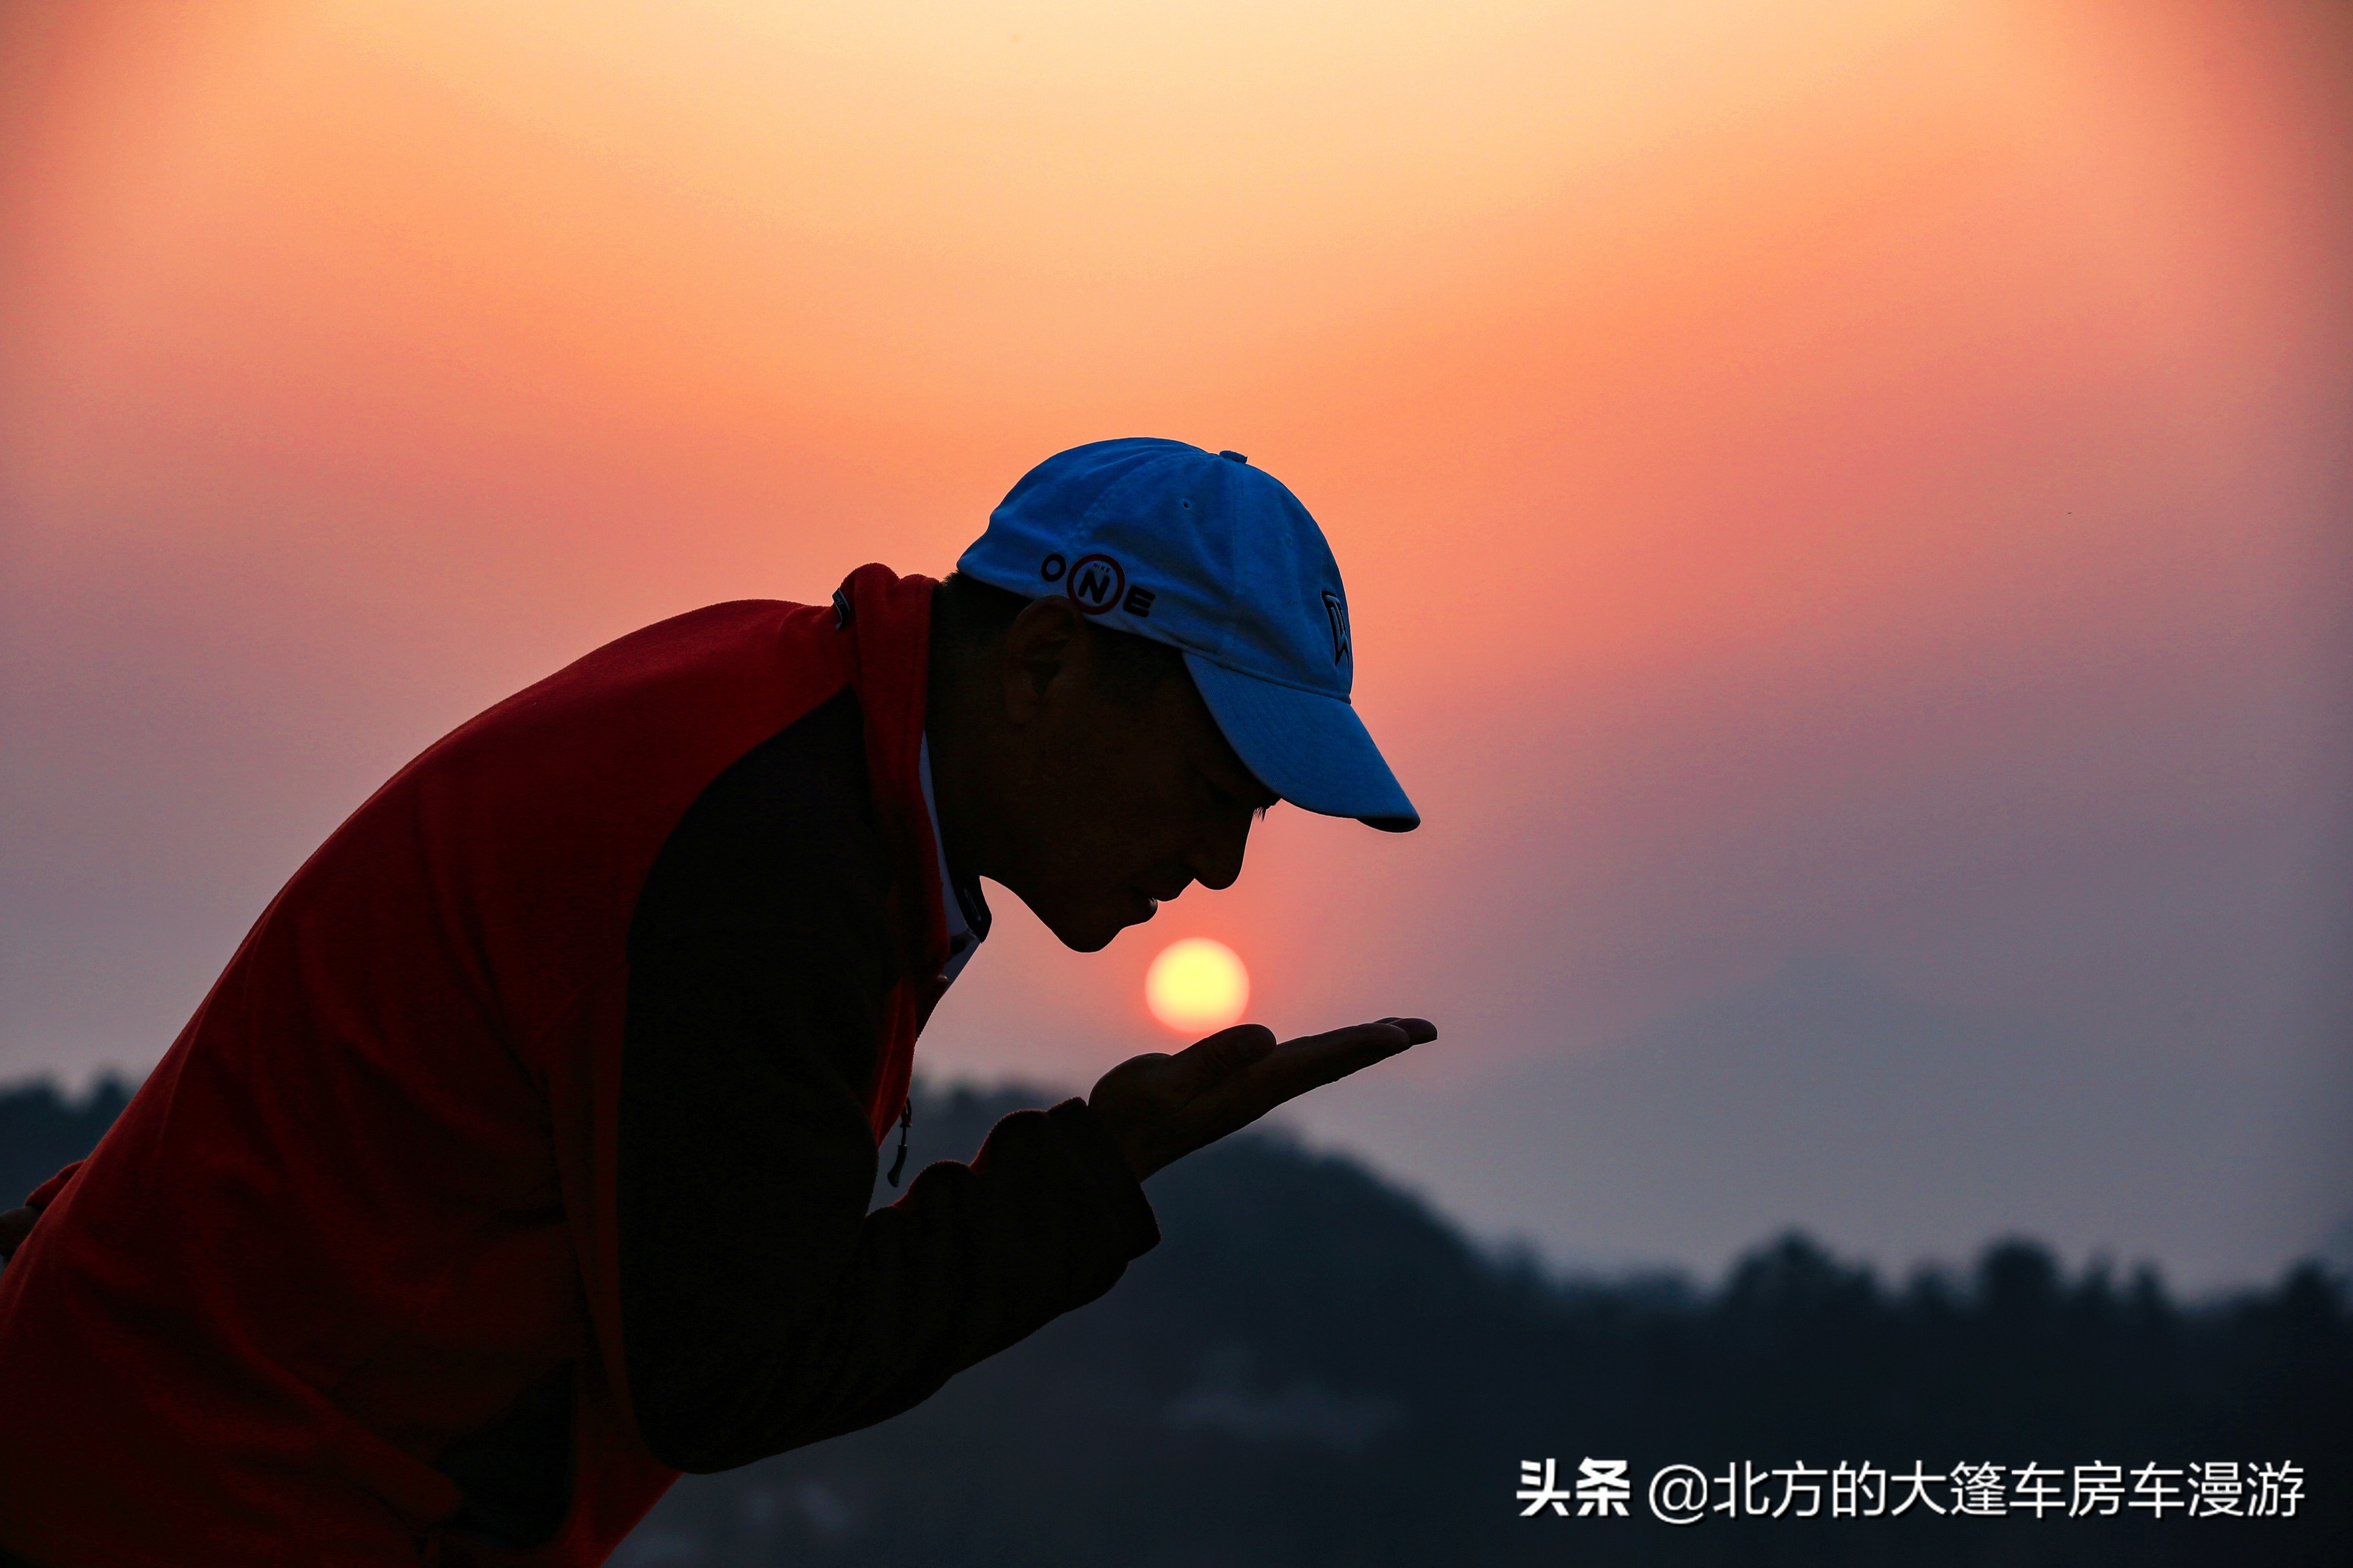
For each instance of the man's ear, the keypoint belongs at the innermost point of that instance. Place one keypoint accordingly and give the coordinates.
(1045, 648)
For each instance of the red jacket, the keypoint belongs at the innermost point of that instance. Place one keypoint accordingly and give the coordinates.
(368, 1197)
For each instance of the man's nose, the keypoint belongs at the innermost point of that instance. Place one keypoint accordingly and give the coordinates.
(1216, 862)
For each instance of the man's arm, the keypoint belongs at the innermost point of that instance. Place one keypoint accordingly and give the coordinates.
(763, 1307)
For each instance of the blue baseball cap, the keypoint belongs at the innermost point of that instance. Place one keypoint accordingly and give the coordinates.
(1202, 552)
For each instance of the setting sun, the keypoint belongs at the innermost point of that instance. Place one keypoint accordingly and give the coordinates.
(1197, 985)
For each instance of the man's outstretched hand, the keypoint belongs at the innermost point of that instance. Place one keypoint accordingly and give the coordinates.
(1161, 1108)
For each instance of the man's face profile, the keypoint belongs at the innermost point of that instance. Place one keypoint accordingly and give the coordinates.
(1114, 787)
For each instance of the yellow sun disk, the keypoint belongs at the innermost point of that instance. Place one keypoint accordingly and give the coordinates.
(1197, 985)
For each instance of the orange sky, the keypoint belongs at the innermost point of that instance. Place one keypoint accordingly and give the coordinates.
(1865, 484)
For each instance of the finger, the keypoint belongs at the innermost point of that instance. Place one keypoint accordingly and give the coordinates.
(1298, 1065)
(1290, 1070)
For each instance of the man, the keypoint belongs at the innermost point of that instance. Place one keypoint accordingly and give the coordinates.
(521, 1158)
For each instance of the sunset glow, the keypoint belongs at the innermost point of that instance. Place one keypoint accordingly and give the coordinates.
(1853, 491)
(1196, 986)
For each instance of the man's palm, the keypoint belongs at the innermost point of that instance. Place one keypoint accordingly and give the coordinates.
(1161, 1108)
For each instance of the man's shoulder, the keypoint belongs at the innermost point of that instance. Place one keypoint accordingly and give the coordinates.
(790, 821)
(814, 768)
(738, 632)
(657, 712)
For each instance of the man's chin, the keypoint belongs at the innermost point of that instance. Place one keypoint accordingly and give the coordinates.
(1092, 931)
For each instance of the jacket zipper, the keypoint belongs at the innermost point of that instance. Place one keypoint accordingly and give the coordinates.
(906, 1119)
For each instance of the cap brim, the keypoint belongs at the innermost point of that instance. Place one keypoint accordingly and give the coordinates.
(1310, 748)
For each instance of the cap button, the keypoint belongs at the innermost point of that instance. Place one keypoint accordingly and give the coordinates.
(1233, 456)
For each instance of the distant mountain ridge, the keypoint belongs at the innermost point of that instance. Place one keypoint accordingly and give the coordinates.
(1313, 1369)
(43, 1130)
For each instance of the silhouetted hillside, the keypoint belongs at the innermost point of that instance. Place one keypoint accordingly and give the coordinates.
(1313, 1369)
(41, 1130)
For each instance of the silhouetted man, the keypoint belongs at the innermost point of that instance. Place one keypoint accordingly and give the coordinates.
(521, 1158)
